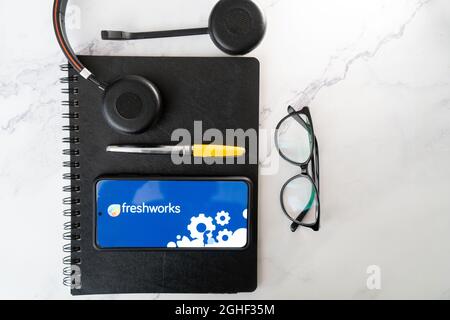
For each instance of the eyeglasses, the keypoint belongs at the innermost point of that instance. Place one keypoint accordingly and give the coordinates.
(296, 143)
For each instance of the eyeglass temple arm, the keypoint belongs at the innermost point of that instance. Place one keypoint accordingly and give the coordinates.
(301, 216)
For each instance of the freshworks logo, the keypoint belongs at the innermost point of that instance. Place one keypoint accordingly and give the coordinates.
(114, 210)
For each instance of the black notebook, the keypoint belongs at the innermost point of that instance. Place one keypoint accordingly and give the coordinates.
(223, 93)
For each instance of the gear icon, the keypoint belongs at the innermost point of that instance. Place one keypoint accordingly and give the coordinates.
(200, 225)
(223, 218)
(224, 236)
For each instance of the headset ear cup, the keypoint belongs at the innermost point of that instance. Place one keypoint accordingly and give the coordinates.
(237, 26)
(132, 104)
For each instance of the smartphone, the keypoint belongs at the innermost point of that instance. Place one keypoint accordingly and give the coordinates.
(172, 213)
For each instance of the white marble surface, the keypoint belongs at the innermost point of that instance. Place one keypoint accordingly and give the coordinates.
(376, 76)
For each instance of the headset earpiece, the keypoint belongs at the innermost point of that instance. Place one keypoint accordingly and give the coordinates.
(132, 104)
(235, 26)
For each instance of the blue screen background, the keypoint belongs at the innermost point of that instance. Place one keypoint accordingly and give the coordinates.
(162, 230)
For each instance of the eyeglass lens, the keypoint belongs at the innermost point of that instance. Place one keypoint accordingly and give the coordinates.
(294, 139)
(300, 199)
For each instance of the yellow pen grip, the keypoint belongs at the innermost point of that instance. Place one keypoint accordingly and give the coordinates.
(216, 151)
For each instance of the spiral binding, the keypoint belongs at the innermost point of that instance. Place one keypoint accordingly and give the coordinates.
(72, 227)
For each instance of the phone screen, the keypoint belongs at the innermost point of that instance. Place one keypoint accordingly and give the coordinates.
(172, 214)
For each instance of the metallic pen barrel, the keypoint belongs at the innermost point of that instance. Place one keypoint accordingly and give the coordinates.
(197, 150)
(158, 150)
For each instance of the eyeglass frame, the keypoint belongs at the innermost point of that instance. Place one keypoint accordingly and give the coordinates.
(312, 160)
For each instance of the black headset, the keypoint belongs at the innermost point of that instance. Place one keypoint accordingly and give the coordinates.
(132, 103)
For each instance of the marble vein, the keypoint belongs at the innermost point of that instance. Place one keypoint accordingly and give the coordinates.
(308, 94)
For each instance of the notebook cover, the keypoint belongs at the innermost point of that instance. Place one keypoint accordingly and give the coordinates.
(223, 93)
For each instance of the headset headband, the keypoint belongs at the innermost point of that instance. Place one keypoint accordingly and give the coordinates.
(235, 26)
(59, 14)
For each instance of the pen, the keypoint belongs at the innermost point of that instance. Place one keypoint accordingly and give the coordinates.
(197, 150)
